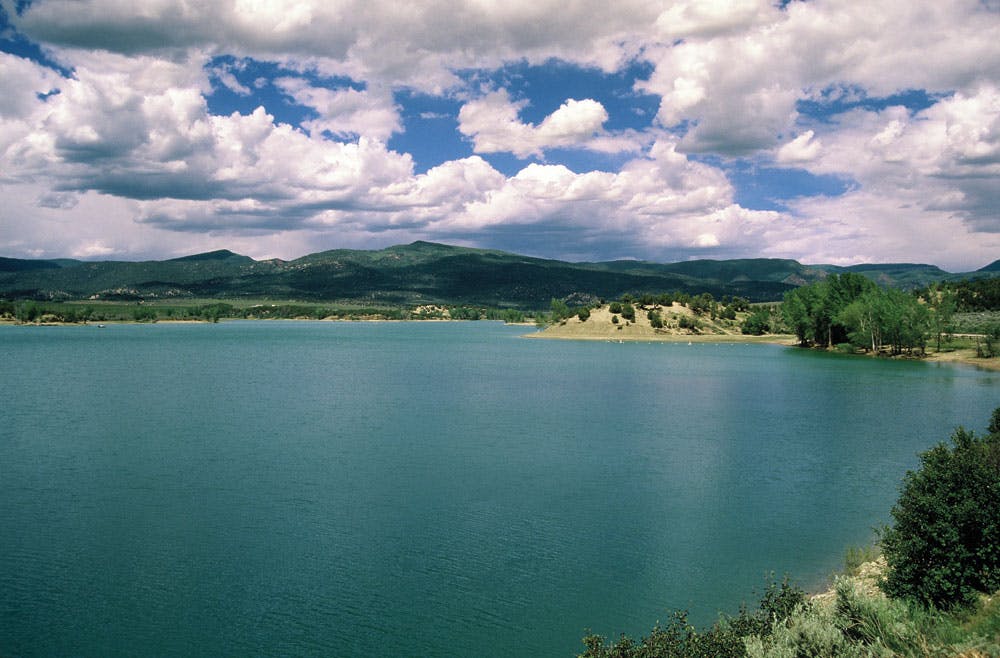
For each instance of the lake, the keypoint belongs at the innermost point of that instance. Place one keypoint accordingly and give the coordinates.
(436, 489)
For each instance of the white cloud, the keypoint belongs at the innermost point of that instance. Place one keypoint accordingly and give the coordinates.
(226, 76)
(129, 133)
(22, 80)
(682, 20)
(495, 127)
(800, 150)
(417, 44)
(945, 158)
(736, 77)
(868, 227)
(345, 112)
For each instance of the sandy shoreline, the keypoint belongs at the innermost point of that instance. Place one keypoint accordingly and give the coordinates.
(599, 327)
(958, 357)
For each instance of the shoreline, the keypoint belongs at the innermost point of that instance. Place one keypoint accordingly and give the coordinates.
(773, 339)
(956, 357)
(963, 357)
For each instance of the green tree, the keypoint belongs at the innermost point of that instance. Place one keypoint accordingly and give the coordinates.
(583, 314)
(144, 314)
(687, 322)
(942, 309)
(628, 312)
(987, 346)
(655, 319)
(944, 544)
(560, 310)
(703, 303)
(797, 312)
(27, 312)
(757, 323)
(864, 321)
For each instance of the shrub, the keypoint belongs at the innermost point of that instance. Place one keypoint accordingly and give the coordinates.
(655, 320)
(583, 314)
(944, 545)
(686, 322)
(727, 638)
(757, 323)
(628, 312)
(855, 556)
(615, 307)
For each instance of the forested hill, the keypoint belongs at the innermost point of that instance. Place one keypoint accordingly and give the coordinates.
(424, 272)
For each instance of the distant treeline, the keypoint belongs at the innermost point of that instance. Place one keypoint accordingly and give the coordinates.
(61, 312)
(970, 296)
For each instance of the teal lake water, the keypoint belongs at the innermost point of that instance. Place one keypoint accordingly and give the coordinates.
(439, 489)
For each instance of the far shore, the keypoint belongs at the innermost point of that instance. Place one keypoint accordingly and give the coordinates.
(559, 332)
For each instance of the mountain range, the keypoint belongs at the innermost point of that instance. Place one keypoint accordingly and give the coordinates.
(425, 273)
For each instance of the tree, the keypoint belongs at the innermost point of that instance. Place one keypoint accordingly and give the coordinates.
(583, 314)
(703, 303)
(27, 312)
(560, 310)
(628, 312)
(944, 544)
(797, 313)
(655, 320)
(942, 301)
(686, 322)
(757, 323)
(987, 347)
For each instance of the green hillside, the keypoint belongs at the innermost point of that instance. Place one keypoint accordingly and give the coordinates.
(421, 273)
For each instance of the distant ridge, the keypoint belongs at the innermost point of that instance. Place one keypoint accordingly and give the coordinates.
(24, 265)
(219, 254)
(430, 273)
(992, 267)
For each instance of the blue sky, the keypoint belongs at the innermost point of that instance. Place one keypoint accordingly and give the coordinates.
(819, 131)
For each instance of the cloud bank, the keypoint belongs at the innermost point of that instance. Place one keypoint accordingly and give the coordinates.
(116, 140)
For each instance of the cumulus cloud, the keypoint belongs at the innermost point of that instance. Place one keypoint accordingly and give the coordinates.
(868, 226)
(801, 149)
(418, 45)
(493, 124)
(736, 77)
(945, 158)
(345, 112)
(129, 132)
(23, 81)
(682, 20)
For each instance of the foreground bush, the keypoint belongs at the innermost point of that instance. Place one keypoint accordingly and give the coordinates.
(865, 624)
(944, 545)
(942, 551)
(725, 639)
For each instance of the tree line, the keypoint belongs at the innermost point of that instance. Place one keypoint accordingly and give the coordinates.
(851, 309)
(34, 311)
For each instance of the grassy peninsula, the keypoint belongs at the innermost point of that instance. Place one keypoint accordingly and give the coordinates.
(846, 313)
(670, 321)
